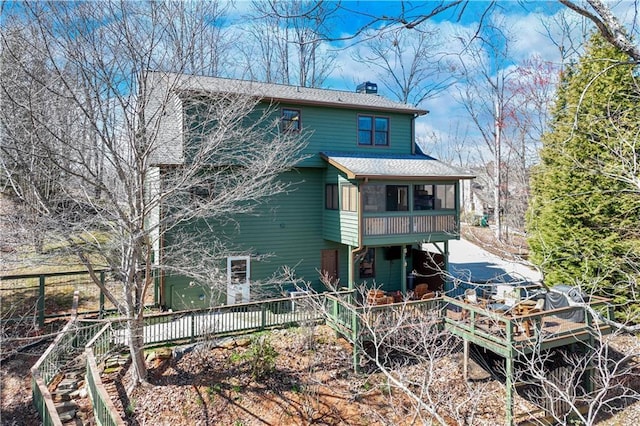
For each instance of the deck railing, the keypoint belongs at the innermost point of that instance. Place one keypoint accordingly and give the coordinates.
(64, 348)
(105, 337)
(101, 338)
(409, 223)
(97, 350)
(499, 331)
(357, 321)
(504, 333)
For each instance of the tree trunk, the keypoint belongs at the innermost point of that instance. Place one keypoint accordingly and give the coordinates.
(136, 349)
(496, 173)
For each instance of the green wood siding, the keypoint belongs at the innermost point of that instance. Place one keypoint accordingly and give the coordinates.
(285, 231)
(292, 229)
(328, 129)
(340, 226)
(335, 129)
(387, 272)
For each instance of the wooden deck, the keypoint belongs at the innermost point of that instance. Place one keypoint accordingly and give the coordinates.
(501, 333)
(506, 334)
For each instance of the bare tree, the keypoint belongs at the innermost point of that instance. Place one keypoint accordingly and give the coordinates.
(409, 64)
(567, 34)
(584, 384)
(108, 214)
(608, 24)
(287, 38)
(418, 360)
(484, 66)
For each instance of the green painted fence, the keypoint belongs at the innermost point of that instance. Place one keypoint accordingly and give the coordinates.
(50, 295)
(102, 338)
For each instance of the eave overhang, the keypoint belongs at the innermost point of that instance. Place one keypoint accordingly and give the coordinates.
(372, 166)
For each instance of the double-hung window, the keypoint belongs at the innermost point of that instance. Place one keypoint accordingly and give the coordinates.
(331, 196)
(373, 130)
(291, 120)
(349, 198)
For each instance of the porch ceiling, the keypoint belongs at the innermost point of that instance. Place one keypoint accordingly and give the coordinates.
(392, 166)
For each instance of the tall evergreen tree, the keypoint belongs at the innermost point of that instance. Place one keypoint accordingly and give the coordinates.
(584, 216)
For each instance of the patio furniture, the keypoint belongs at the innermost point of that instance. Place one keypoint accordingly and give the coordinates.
(528, 308)
(511, 299)
(420, 290)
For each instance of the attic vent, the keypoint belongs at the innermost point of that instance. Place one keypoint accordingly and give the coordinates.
(367, 87)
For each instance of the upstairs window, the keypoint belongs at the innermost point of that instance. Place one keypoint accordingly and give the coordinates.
(291, 120)
(349, 198)
(373, 130)
(331, 196)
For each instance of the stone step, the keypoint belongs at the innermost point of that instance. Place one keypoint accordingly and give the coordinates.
(62, 395)
(66, 406)
(67, 384)
(66, 416)
(74, 375)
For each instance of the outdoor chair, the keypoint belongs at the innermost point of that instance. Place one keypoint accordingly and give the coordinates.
(525, 310)
(508, 305)
(470, 296)
(428, 296)
(511, 299)
(420, 290)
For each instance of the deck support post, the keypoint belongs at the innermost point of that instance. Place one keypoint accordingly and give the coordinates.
(350, 273)
(403, 271)
(355, 338)
(465, 360)
(509, 386)
(589, 346)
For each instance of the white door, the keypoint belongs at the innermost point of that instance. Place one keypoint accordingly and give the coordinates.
(238, 274)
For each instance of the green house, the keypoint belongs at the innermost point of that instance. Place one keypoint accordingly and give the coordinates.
(366, 206)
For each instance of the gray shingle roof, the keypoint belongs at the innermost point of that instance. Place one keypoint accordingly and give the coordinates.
(385, 166)
(292, 94)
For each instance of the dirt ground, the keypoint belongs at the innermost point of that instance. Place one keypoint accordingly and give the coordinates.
(16, 407)
(311, 382)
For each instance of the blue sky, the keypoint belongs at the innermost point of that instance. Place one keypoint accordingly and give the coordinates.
(447, 120)
(535, 32)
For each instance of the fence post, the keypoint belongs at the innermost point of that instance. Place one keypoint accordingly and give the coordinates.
(41, 301)
(355, 337)
(193, 326)
(101, 313)
(334, 309)
(263, 313)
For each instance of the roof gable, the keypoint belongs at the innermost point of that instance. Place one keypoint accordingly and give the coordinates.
(282, 93)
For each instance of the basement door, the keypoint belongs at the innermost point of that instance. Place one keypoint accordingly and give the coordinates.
(238, 275)
(329, 264)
